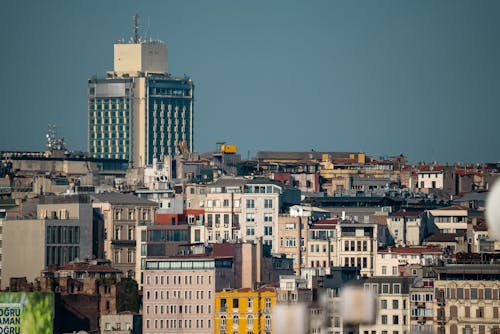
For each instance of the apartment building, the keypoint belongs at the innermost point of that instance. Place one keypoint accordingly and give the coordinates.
(223, 209)
(407, 228)
(467, 299)
(320, 242)
(260, 210)
(61, 232)
(357, 246)
(291, 239)
(393, 305)
(391, 260)
(244, 310)
(452, 219)
(422, 308)
(179, 295)
(123, 215)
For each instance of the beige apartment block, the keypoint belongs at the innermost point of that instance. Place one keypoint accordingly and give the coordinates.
(320, 244)
(223, 209)
(357, 246)
(179, 295)
(407, 228)
(392, 303)
(195, 196)
(289, 235)
(467, 299)
(61, 232)
(123, 215)
(260, 210)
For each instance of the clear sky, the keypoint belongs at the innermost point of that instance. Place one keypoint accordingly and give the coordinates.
(384, 77)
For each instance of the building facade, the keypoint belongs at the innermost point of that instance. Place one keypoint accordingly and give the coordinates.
(139, 112)
(244, 310)
(61, 232)
(179, 295)
(123, 215)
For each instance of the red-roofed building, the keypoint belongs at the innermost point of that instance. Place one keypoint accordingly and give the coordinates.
(389, 260)
(450, 242)
(433, 177)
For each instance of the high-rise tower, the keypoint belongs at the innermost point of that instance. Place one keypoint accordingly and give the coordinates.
(139, 111)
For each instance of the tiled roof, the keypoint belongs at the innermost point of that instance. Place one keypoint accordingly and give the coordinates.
(442, 237)
(411, 250)
(90, 268)
(453, 207)
(223, 250)
(430, 168)
(405, 214)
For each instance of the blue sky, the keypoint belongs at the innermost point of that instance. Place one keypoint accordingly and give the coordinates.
(384, 77)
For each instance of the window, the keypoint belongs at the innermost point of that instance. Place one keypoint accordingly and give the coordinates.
(396, 288)
(384, 320)
(268, 230)
(250, 218)
(225, 203)
(222, 321)
(383, 304)
(250, 203)
(268, 203)
(250, 303)
(267, 321)
(250, 231)
(395, 319)
(250, 320)
(226, 219)
(268, 217)
(268, 303)
(395, 304)
(236, 320)
(291, 242)
(385, 288)
(394, 271)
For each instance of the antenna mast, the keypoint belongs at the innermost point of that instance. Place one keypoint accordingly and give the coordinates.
(136, 28)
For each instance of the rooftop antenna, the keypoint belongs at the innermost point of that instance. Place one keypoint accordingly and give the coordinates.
(136, 28)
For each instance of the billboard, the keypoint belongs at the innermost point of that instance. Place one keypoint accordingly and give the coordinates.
(26, 312)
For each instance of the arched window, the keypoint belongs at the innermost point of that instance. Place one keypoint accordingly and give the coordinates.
(250, 320)
(223, 321)
(236, 320)
(268, 321)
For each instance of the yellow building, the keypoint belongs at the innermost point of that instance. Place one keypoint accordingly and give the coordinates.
(244, 311)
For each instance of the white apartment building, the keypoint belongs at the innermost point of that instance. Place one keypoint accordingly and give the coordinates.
(390, 259)
(393, 305)
(407, 228)
(260, 210)
(179, 295)
(452, 219)
(223, 209)
(431, 179)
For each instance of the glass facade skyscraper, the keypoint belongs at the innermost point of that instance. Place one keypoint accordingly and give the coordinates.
(139, 111)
